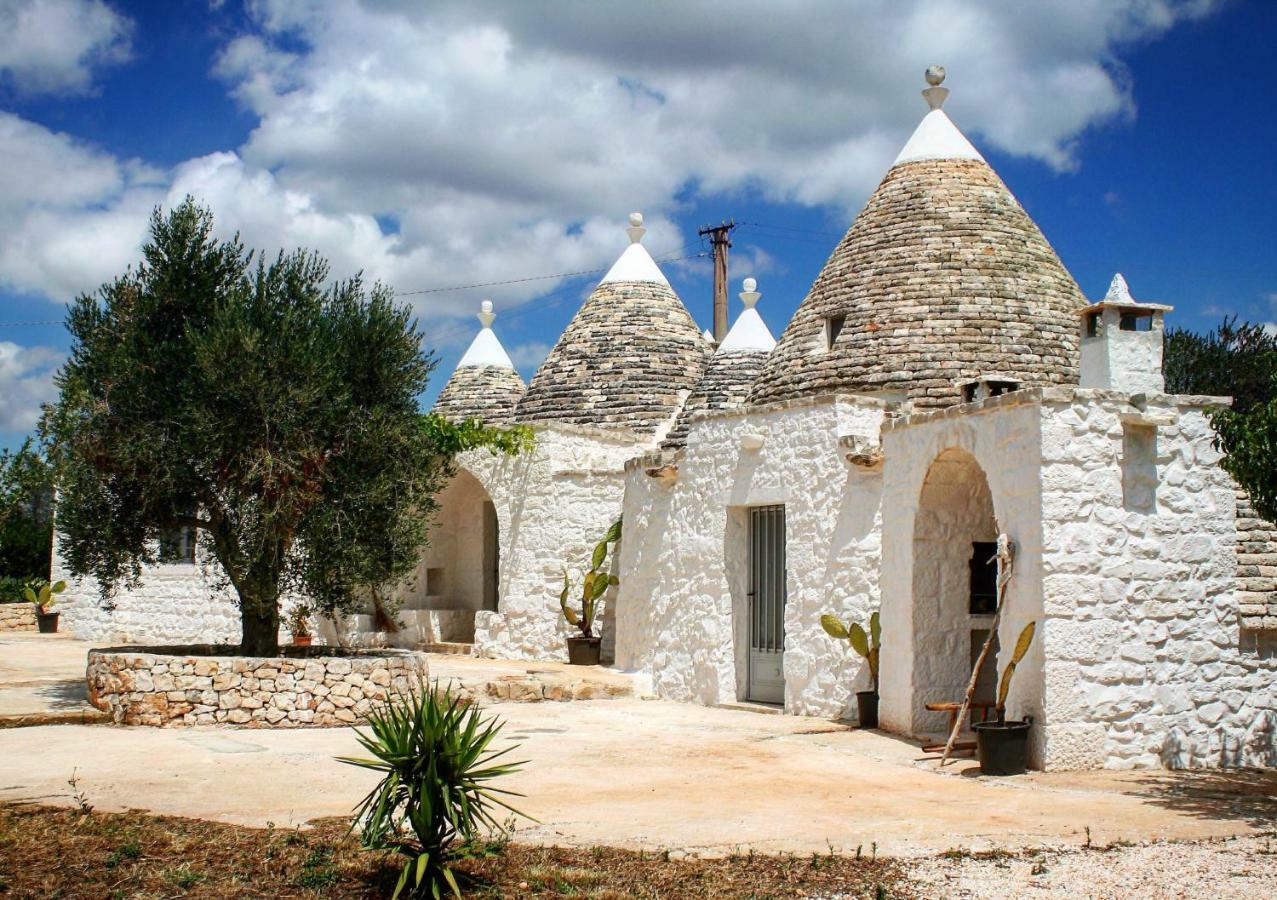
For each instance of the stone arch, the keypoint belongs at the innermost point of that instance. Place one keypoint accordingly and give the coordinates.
(955, 513)
(459, 572)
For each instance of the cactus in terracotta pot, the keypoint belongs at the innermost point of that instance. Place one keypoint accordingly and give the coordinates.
(594, 584)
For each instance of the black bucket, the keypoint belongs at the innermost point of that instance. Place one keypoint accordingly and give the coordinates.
(1003, 749)
(867, 708)
(47, 623)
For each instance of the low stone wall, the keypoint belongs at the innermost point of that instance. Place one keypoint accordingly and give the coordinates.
(196, 686)
(17, 617)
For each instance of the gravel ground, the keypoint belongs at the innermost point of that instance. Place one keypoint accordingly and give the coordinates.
(1241, 867)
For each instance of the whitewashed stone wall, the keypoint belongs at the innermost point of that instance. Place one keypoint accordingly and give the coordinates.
(174, 604)
(1145, 663)
(1002, 438)
(681, 610)
(553, 505)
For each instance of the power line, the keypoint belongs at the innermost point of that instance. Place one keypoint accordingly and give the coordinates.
(27, 324)
(791, 228)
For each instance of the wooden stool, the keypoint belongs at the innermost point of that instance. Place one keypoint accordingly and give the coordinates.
(984, 706)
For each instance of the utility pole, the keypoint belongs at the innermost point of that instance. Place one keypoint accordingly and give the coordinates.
(719, 240)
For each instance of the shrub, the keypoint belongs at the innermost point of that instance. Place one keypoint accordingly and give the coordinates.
(433, 751)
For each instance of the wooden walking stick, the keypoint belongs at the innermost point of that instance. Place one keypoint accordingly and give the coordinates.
(1006, 561)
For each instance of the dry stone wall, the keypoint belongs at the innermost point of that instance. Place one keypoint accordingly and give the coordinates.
(1256, 568)
(17, 617)
(139, 687)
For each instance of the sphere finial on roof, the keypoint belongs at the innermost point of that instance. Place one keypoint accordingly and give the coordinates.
(636, 229)
(935, 95)
(486, 315)
(749, 296)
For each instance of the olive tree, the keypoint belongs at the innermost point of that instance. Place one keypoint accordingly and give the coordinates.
(255, 401)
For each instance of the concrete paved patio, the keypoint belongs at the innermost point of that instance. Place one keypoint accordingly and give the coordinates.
(645, 773)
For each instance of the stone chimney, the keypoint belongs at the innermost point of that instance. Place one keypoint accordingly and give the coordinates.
(1122, 343)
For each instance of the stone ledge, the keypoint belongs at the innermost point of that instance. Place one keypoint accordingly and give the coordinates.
(146, 686)
(17, 617)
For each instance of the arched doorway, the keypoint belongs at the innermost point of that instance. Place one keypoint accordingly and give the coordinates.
(954, 596)
(459, 571)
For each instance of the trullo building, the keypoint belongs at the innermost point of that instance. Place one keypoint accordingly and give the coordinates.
(943, 382)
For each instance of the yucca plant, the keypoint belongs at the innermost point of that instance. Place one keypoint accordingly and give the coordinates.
(867, 644)
(43, 598)
(1004, 686)
(593, 585)
(433, 750)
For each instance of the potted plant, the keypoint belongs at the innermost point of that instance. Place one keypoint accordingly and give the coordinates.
(299, 625)
(867, 645)
(1001, 746)
(584, 650)
(43, 598)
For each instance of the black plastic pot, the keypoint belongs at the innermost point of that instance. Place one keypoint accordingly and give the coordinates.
(47, 622)
(1003, 749)
(584, 651)
(867, 708)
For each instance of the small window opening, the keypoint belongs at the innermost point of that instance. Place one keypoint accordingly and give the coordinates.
(177, 545)
(833, 328)
(1136, 321)
(998, 388)
(984, 578)
(969, 391)
(1092, 324)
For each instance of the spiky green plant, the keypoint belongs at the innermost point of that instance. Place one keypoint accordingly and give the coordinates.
(867, 645)
(433, 750)
(44, 597)
(593, 585)
(1004, 687)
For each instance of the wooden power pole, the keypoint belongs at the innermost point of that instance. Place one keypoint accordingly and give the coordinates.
(719, 240)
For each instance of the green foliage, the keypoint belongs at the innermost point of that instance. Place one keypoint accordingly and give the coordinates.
(26, 526)
(42, 593)
(867, 644)
(594, 584)
(434, 753)
(259, 403)
(1238, 361)
(1004, 686)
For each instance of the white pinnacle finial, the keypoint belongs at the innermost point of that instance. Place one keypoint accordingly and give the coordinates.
(749, 296)
(486, 315)
(636, 229)
(1119, 292)
(935, 95)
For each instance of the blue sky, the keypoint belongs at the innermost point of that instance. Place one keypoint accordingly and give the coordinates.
(477, 142)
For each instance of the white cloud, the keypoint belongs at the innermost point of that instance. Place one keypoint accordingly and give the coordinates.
(528, 357)
(509, 139)
(26, 381)
(53, 46)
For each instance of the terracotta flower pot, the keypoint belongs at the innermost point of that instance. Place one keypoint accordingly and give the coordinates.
(302, 640)
(584, 651)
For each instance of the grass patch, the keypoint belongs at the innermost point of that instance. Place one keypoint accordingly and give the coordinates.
(46, 852)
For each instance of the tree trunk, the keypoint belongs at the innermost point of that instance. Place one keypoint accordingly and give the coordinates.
(259, 619)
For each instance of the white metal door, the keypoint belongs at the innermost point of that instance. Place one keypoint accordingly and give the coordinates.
(767, 604)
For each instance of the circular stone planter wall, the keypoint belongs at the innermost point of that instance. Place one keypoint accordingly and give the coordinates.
(206, 685)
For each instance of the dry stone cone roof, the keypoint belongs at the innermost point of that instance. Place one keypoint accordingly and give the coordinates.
(731, 371)
(629, 357)
(485, 384)
(942, 278)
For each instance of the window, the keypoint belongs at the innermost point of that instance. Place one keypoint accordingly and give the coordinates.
(998, 388)
(1092, 324)
(984, 578)
(1136, 321)
(969, 390)
(177, 545)
(833, 328)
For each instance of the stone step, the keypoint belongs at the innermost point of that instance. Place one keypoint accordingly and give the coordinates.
(450, 648)
(766, 709)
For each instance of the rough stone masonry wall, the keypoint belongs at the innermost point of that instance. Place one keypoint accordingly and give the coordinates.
(1145, 664)
(553, 504)
(1256, 568)
(17, 617)
(682, 609)
(142, 688)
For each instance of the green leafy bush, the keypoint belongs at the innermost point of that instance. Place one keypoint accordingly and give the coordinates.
(433, 750)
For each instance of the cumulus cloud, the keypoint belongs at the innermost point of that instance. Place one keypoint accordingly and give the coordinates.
(53, 46)
(455, 143)
(26, 381)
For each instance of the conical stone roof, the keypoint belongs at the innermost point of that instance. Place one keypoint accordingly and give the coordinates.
(942, 278)
(731, 371)
(628, 358)
(485, 384)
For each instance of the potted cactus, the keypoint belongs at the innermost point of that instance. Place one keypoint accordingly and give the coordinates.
(1001, 746)
(585, 649)
(43, 598)
(299, 625)
(867, 645)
